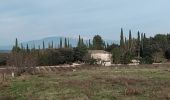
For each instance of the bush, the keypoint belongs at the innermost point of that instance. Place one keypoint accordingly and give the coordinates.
(56, 57)
(167, 54)
(147, 60)
(127, 57)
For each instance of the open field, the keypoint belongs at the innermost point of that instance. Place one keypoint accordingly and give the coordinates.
(96, 83)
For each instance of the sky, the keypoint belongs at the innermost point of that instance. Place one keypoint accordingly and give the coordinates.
(37, 19)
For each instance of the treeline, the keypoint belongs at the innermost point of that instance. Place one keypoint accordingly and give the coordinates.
(145, 49)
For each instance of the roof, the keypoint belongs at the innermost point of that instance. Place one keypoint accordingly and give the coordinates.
(98, 51)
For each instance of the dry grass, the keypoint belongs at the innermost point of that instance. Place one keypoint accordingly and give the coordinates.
(96, 83)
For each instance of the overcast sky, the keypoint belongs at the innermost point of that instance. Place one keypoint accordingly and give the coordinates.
(36, 19)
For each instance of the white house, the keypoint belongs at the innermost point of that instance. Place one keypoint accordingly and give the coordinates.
(102, 57)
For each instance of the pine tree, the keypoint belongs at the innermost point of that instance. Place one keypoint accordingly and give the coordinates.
(98, 43)
(121, 39)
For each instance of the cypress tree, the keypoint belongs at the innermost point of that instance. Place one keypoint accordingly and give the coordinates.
(79, 42)
(130, 39)
(121, 39)
(144, 36)
(52, 45)
(68, 44)
(138, 38)
(43, 45)
(138, 44)
(28, 50)
(142, 42)
(89, 44)
(61, 43)
(16, 43)
(65, 43)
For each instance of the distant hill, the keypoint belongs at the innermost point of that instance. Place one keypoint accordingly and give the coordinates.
(56, 41)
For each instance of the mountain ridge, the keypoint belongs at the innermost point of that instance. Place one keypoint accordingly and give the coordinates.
(48, 40)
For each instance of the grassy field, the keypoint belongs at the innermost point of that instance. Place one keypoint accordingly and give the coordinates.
(97, 83)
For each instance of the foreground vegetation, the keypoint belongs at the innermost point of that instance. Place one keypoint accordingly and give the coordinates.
(91, 83)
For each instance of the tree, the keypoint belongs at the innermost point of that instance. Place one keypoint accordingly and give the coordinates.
(65, 43)
(90, 45)
(98, 43)
(68, 44)
(167, 54)
(116, 55)
(16, 48)
(27, 49)
(121, 39)
(130, 40)
(61, 44)
(52, 45)
(79, 41)
(138, 45)
(43, 45)
(80, 51)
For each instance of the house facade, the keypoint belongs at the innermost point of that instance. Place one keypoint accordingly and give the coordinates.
(102, 57)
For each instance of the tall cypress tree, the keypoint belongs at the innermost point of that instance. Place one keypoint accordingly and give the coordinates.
(141, 43)
(16, 43)
(65, 43)
(138, 38)
(28, 50)
(144, 36)
(43, 45)
(79, 42)
(130, 39)
(52, 45)
(121, 39)
(68, 44)
(16, 48)
(61, 44)
(138, 44)
(90, 46)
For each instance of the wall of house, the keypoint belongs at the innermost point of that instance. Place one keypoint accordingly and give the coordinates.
(102, 56)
